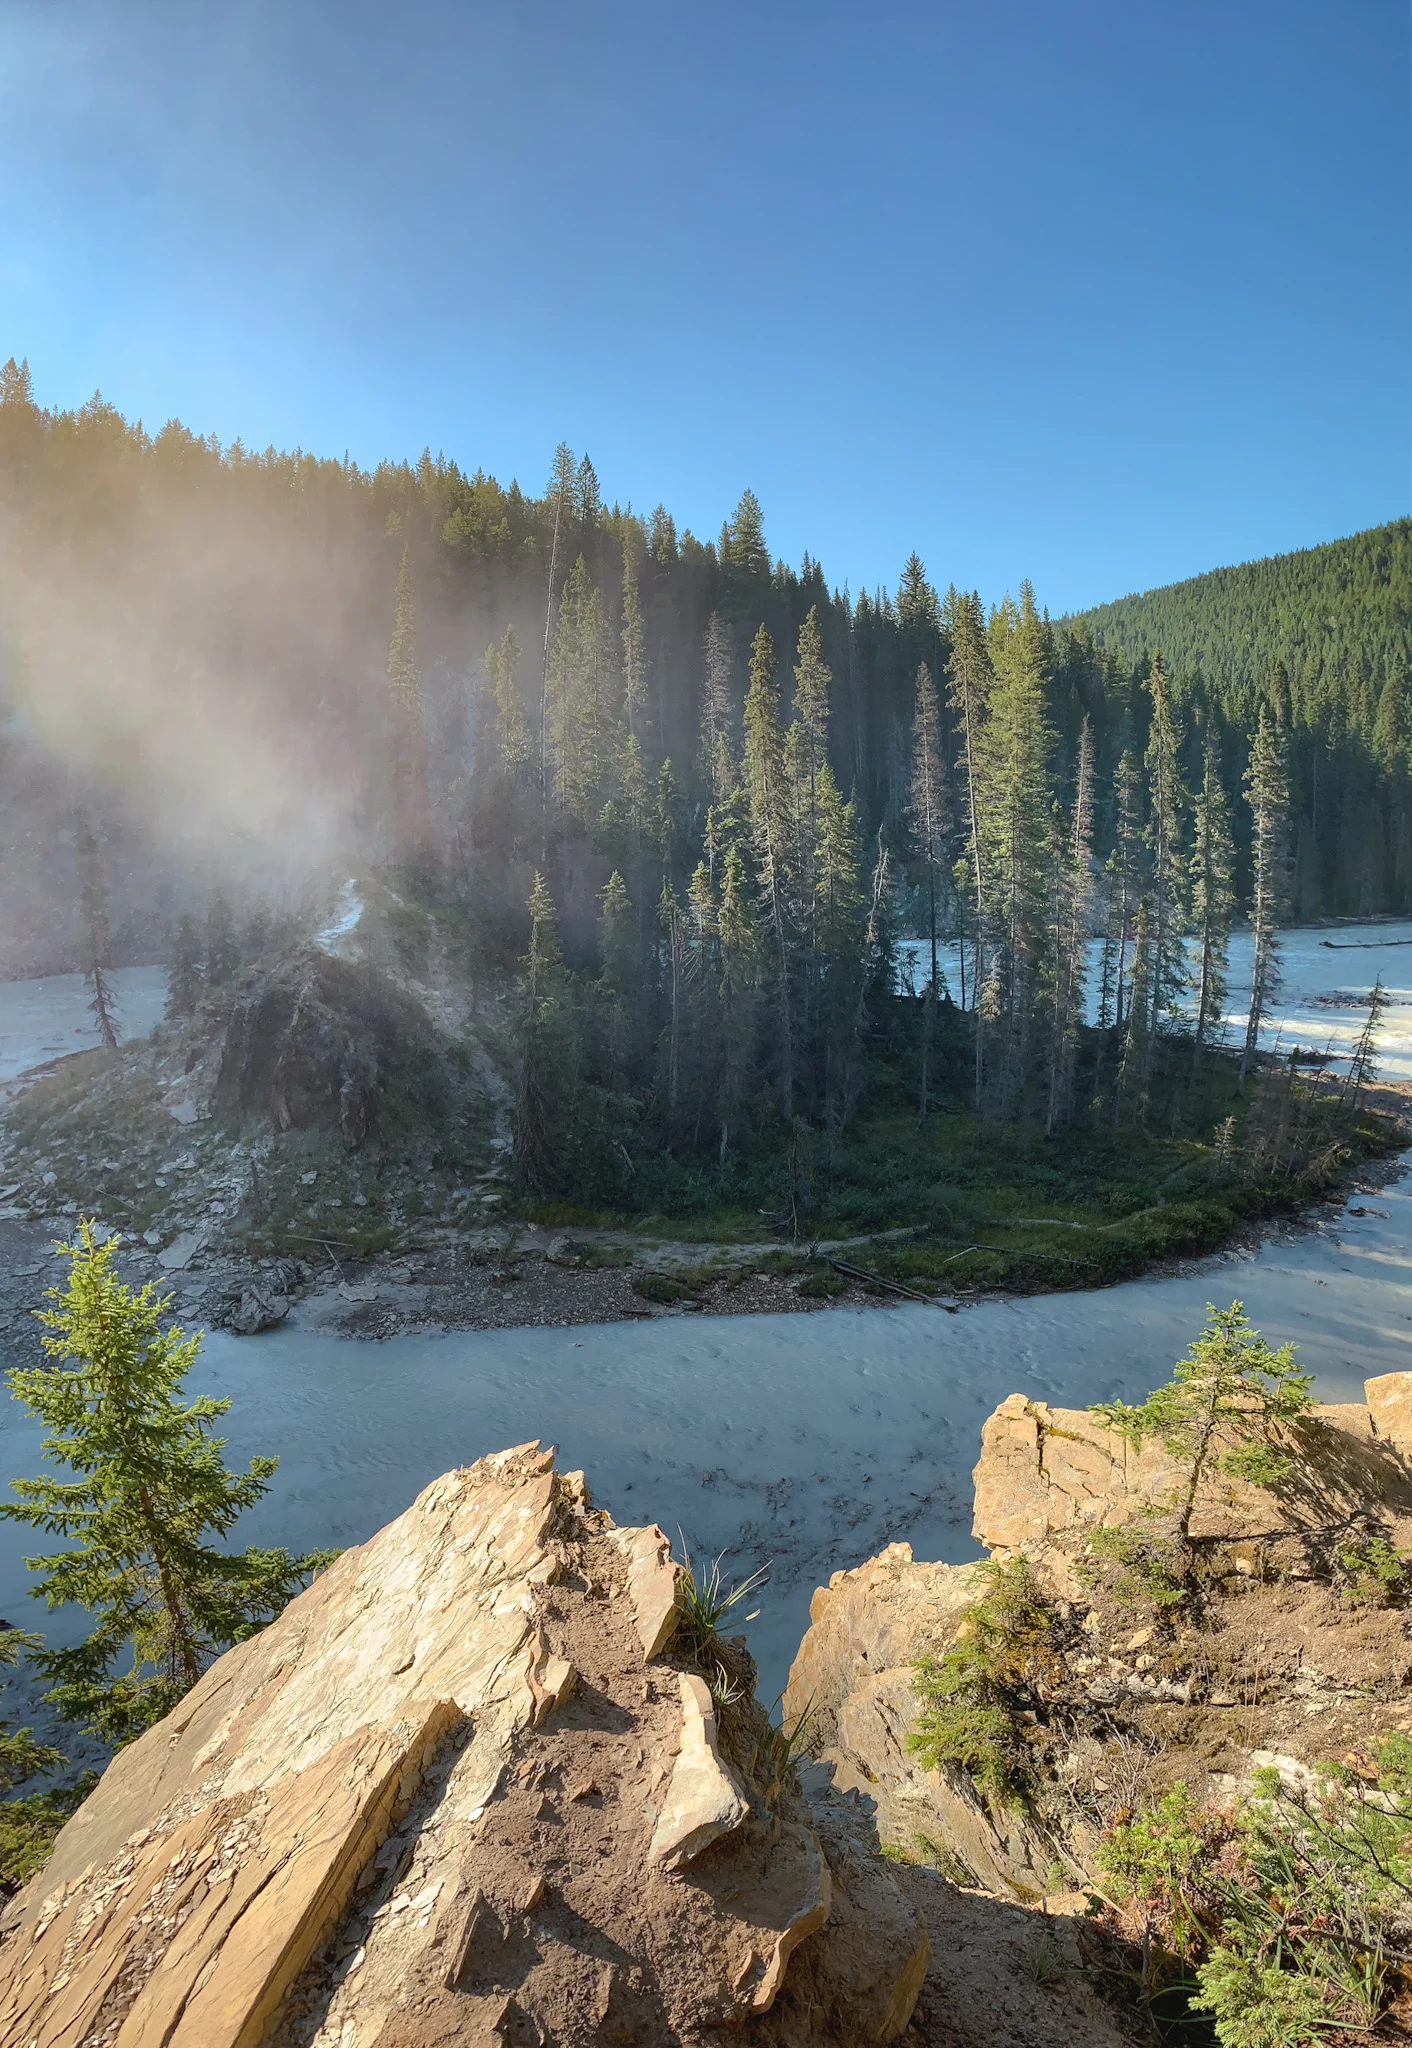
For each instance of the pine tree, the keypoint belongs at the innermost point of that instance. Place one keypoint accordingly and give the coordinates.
(502, 666)
(634, 638)
(93, 908)
(1267, 792)
(1124, 875)
(718, 763)
(222, 944)
(1226, 1408)
(411, 801)
(927, 810)
(145, 1516)
(1167, 801)
(1015, 826)
(676, 960)
(562, 501)
(767, 792)
(972, 684)
(547, 1045)
(740, 970)
(620, 979)
(1135, 1066)
(1073, 892)
(1212, 895)
(185, 968)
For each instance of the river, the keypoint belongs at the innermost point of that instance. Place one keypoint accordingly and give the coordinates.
(805, 1442)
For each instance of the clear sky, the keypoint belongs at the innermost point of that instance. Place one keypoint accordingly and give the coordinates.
(1105, 292)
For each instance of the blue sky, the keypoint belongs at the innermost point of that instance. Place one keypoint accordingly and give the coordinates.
(1105, 294)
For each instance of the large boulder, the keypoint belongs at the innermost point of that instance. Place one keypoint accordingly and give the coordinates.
(463, 1789)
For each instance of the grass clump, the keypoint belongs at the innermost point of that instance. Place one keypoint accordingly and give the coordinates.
(704, 1599)
(974, 1694)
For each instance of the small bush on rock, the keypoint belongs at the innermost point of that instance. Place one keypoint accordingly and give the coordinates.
(973, 1695)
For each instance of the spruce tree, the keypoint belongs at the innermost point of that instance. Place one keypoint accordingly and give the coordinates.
(222, 944)
(547, 1048)
(502, 666)
(676, 961)
(743, 551)
(1212, 895)
(718, 765)
(1015, 825)
(1226, 1408)
(767, 792)
(838, 923)
(620, 978)
(97, 946)
(807, 767)
(739, 983)
(1135, 1066)
(185, 968)
(1267, 792)
(1167, 800)
(146, 1513)
(634, 637)
(972, 684)
(584, 720)
(411, 801)
(1073, 860)
(927, 810)
(1125, 876)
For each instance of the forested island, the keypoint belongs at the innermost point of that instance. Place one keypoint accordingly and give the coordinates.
(694, 834)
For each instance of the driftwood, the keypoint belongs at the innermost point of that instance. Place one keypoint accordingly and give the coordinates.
(892, 1286)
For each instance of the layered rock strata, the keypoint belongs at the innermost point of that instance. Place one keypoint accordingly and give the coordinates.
(1047, 1478)
(461, 1790)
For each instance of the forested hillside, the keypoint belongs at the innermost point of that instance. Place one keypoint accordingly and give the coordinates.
(1327, 632)
(688, 799)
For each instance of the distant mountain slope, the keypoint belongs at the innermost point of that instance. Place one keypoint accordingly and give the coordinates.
(1340, 614)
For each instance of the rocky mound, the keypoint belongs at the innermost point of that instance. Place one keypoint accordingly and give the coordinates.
(472, 1785)
(1291, 1651)
(325, 1092)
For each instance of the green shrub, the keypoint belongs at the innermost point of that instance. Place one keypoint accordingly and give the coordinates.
(1148, 1560)
(1283, 1919)
(1373, 1572)
(973, 1695)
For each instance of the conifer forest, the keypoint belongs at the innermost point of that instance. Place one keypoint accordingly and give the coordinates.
(742, 858)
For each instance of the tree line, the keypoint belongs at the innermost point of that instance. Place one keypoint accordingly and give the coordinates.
(247, 595)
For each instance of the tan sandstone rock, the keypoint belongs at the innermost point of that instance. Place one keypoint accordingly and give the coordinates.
(1046, 1477)
(1046, 1474)
(423, 1805)
(854, 1674)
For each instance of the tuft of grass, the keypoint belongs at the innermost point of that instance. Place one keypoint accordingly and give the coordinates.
(704, 1599)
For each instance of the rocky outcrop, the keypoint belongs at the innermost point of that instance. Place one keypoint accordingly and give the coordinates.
(461, 1790)
(854, 1677)
(1047, 1475)
(1046, 1479)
